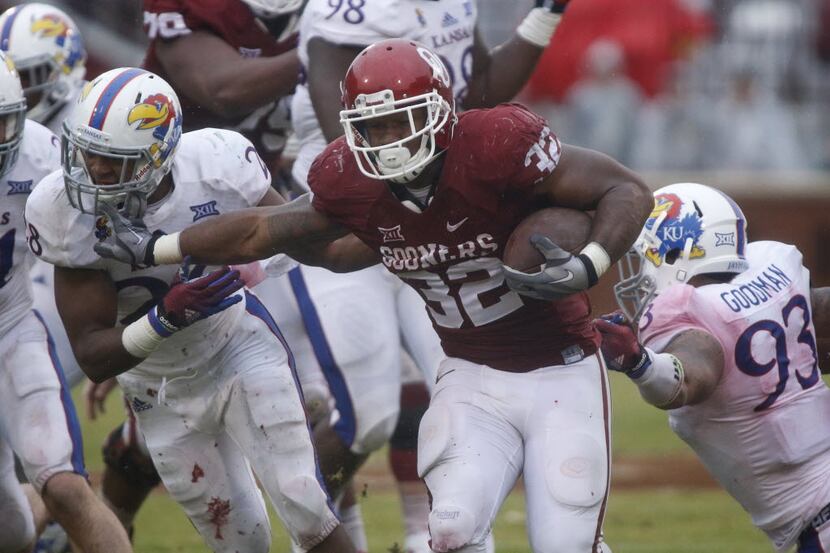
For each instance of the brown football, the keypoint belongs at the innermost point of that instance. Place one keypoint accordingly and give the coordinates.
(568, 228)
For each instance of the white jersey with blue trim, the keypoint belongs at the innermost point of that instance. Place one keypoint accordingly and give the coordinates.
(763, 432)
(447, 27)
(38, 156)
(215, 171)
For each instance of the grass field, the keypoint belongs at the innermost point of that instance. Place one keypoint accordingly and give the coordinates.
(678, 516)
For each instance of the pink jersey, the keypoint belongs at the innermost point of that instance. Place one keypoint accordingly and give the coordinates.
(764, 432)
(451, 253)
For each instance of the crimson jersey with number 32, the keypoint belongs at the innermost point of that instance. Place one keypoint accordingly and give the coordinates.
(451, 253)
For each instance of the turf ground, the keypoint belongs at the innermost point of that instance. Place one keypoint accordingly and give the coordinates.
(661, 501)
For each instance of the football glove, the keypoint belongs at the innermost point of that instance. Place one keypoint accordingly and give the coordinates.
(561, 275)
(192, 299)
(127, 240)
(621, 348)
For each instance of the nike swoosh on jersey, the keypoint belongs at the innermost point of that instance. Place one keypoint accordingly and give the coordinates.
(455, 227)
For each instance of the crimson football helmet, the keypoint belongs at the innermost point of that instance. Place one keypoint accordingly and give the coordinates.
(397, 76)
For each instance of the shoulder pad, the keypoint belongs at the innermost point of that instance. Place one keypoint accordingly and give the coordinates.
(58, 233)
(516, 148)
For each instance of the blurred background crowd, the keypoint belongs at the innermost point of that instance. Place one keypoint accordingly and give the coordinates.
(662, 85)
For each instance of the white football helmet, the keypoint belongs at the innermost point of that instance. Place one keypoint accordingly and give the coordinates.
(273, 8)
(12, 114)
(49, 54)
(694, 229)
(132, 120)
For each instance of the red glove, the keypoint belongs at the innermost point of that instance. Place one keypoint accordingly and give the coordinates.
(193, 299)
(620, 347)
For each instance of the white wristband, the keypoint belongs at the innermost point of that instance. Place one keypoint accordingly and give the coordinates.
(166, 250)
(538, 26)
(662, 381)
(140, 339)
(598, 256)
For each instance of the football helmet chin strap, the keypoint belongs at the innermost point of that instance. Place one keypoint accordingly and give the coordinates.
(392, 160)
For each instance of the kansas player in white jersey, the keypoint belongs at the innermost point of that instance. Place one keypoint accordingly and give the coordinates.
(204, 368)
(728, 346)
(49, 54)
(362, 373)
(34, 398)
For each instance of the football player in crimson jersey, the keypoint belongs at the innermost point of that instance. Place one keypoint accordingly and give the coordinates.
(730, 335)
(231, 63)
(523, 389)
(361, 371)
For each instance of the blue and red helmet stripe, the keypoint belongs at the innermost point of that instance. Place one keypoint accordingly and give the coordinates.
(7, 28)
(102, 106)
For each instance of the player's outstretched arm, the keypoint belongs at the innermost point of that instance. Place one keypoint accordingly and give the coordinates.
(228, 239)
(257, 233)
(685, 372)
(214, 74)
(500, 73)
(820, 302)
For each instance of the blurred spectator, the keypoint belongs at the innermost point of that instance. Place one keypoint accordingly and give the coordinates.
(653, 33)
(602, 108)
(757, 131)
(675, 130)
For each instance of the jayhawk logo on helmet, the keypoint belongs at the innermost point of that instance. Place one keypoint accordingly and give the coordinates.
(157, 112)
(54, 26)
(673, 231)
(50, 25)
